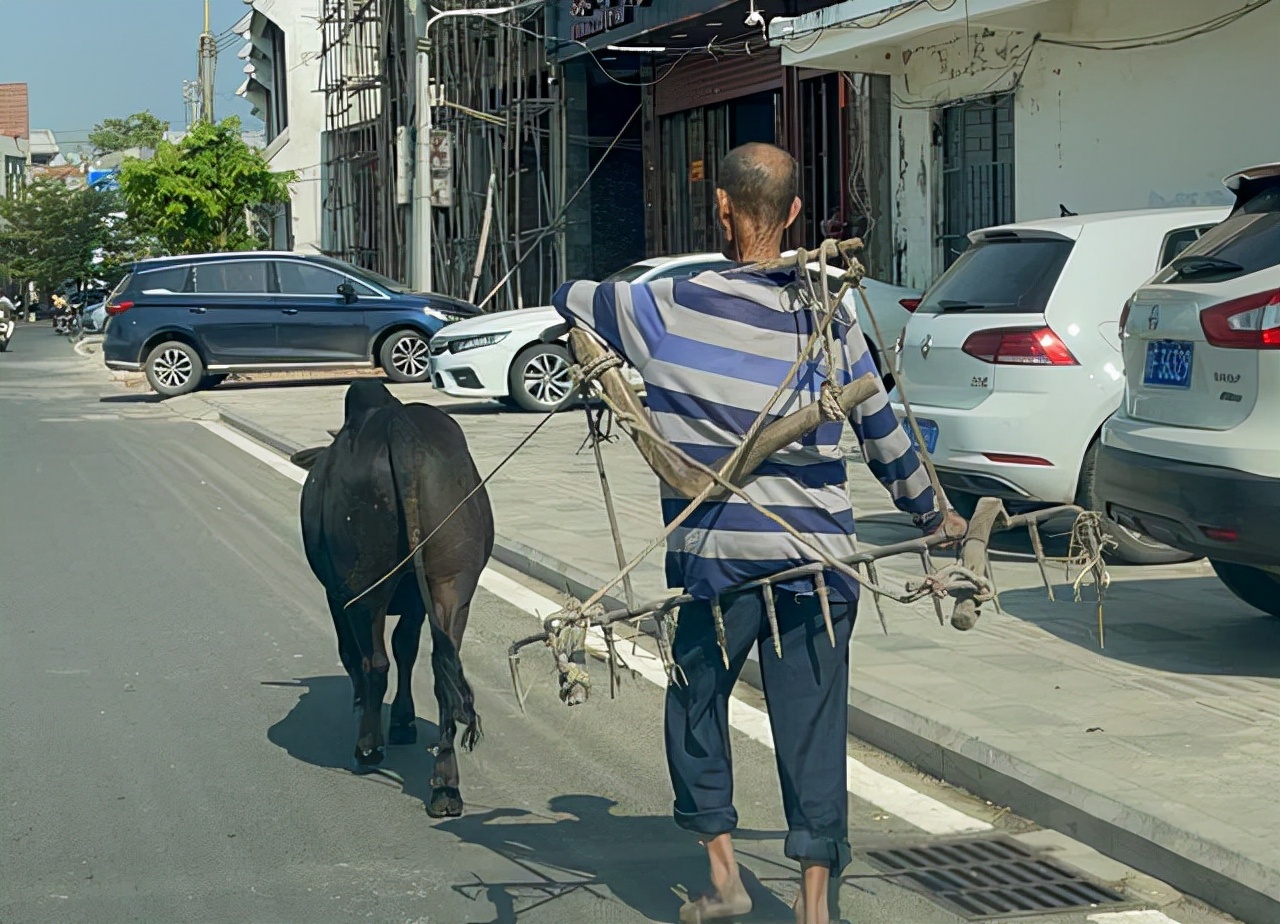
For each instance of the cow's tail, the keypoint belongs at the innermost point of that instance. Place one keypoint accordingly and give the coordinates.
(457, 700)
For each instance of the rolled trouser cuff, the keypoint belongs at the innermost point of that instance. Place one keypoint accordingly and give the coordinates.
(806, 846)
(711, 823)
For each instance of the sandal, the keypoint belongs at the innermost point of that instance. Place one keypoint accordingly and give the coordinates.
(717, 906)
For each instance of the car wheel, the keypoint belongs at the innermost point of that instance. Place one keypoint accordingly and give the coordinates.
(406, 357)
(1258, 588)
(540, 379)
(213, 380)
(1131, 547)
(173, 369)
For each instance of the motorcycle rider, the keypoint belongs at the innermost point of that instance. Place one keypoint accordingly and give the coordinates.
(8, 315)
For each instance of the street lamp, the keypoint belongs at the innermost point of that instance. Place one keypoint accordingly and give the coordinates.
(423, 224)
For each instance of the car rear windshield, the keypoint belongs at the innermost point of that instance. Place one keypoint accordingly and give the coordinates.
(629, 273)
(1008, 275)
(1246, 242)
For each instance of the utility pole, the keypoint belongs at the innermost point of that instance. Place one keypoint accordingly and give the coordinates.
(208, 64)
(422, 216)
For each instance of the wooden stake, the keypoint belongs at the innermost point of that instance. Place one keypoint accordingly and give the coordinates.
(771, 610)
(824, 601)
(718, 616)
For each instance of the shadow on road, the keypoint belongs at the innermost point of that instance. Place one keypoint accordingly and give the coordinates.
(590, 847)
(320, 730)
(1145, 625)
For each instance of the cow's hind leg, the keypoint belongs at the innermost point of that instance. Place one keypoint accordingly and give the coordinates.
(451, 602)
(369, 627)
(348, 651)
(405, 641)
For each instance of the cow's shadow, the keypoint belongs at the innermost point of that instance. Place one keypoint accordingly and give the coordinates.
(320, 730)
(587, 846)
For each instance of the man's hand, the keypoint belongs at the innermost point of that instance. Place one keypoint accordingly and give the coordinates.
(949, 524)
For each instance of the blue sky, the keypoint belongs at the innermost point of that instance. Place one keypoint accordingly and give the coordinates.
(86, 60)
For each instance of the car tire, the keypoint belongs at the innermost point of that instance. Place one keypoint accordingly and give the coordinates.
(1131, 548)
(212, 380)
(405, 356)
(539, 379)
(1260, 589)
(174, 368)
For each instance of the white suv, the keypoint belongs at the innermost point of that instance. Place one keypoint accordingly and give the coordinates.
(1012, 359)
(1193, 457)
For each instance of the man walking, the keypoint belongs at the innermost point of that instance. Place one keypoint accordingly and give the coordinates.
(712, 349)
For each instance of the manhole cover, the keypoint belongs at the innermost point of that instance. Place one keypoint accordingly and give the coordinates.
(990, 878)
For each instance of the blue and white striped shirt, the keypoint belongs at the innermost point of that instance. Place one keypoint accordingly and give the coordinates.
(712, 349)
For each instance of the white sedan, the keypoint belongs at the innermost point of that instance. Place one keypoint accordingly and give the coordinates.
(503, 355)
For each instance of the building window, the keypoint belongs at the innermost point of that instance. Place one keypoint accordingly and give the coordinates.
(977, 169)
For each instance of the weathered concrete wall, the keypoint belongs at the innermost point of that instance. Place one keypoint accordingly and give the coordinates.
(1095, 130)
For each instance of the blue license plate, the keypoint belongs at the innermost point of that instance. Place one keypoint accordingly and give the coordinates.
(1168, 364)
(928, 429)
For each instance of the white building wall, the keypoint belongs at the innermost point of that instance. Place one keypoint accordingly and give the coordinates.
(297, 148)
(1094, 130)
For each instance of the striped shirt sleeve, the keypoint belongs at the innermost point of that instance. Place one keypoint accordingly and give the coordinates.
(885, 446)
(624, 315)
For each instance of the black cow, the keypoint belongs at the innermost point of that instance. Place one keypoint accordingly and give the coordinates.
(389, 480)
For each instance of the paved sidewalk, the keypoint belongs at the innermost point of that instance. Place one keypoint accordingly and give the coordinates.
(1159, 749)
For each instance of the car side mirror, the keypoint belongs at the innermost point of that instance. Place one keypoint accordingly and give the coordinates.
(348, 293)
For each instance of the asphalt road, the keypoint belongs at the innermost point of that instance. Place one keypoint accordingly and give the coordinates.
(177, 726)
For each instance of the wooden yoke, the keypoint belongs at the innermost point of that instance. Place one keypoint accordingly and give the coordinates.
(674, 467)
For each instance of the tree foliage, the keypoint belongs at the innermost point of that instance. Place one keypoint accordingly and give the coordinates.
(140, 130)
(51, 233)
(197, 196)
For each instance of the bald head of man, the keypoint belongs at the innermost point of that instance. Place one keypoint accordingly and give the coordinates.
(756, 200)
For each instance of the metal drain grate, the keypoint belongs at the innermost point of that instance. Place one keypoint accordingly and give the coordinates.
(989, 878)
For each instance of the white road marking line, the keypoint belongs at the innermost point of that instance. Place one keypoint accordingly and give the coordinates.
(1132, 917)
(915, 808)
(259, 452)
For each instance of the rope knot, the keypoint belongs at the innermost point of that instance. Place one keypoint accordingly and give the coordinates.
(566, 636)
(585, 373)
(830, 400)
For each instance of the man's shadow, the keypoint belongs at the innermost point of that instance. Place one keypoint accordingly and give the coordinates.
(320, 730)
(638, 859)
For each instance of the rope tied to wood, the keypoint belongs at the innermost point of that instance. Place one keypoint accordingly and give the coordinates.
(566, 636)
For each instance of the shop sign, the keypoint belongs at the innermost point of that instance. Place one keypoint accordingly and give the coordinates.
(592, 17)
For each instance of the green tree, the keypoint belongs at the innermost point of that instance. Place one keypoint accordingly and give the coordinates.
(140, 130)
(51, 233)
(197, 196)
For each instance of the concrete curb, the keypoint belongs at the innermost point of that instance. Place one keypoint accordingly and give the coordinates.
(1227, 880)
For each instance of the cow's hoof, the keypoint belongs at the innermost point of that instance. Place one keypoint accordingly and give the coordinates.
(446, 802)
(402, 734)
(370, 757)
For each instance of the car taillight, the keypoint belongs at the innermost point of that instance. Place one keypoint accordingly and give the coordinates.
(1249, 323)
(118, 307)
(911, 304)
(1019, 346)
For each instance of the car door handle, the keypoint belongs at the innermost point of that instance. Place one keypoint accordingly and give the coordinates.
(289, 310)
(200, 310)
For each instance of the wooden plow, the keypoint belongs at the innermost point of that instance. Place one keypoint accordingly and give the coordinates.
(967, 582)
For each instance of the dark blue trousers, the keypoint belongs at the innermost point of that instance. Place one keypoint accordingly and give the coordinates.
(807, 693)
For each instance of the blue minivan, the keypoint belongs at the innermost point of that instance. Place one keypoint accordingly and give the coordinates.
(189, 321)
